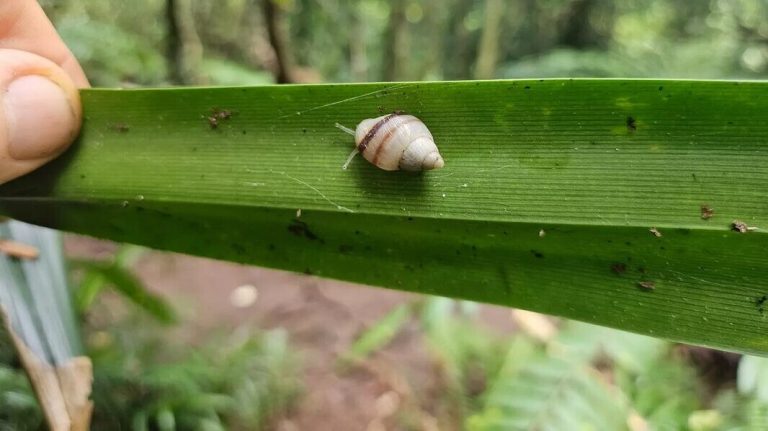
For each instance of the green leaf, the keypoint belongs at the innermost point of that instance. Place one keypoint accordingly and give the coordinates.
(378, 335)
(742, 413)
(94, 281)
(166, 420)
(140, 421)
(629, 351)
(465, 351)
(35, 295)
(590, 164)
(127, 285)
(551, 393)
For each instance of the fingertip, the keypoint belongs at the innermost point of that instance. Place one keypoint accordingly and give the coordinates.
(40, 112)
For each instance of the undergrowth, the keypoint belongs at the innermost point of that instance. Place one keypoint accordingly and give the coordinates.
(147, 376)
(571, 376)
(141, 382)
(582, 377)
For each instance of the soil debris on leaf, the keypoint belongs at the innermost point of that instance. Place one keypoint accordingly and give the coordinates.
(119, 127)
(18, 250)
(646, 285)
(217, 116)
(631, 124)
(618, 268)
(300, 228)
(741, 227)
(760, 303)
(655, 232)
(707, 212)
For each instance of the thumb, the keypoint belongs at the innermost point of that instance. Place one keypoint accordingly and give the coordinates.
(40, 112)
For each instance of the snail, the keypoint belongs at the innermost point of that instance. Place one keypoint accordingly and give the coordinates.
(395, 141)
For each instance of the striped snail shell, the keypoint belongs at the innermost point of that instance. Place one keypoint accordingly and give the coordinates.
(396, 141)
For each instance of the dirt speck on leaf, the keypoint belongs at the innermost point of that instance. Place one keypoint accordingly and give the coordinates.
(760, 303)
(217, 116)
(618, 268)
(119, 127)
(18, 250)
(300, 228)
(631, 124)
(646, 285)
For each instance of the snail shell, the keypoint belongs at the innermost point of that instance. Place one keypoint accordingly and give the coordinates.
(398, 141)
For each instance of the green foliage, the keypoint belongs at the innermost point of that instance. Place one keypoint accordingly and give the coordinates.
(741, 413)
(239, 380)
(665, 391)
(142, 382)
(551, 393)
(591, 377)
(226, 72)
(18, 406)
(116, 274)
(437, 40)
(588, 377)
(465, 352)
(746, 408)
(661, 39)
(125, 60)
(145, 381)
(378, 335)
(558, 389)
(572, 384)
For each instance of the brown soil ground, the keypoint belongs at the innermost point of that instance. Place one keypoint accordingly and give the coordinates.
(322, 317)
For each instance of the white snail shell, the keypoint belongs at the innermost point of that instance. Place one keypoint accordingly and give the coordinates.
(398, 141)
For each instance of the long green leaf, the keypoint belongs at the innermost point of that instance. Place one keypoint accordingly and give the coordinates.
(125, 283)
(35, 296)
(546, 201)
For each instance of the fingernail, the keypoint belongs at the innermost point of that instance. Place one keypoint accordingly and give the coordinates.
(38, 116)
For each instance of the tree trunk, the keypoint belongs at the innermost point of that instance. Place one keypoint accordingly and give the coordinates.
(458, 58)
(358, 56)
(488, 53)
(396, 44)
(277, 38)
(577, 30)
(435, 23)
(185, 51)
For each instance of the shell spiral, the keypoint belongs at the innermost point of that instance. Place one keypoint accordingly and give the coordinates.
(397, 141)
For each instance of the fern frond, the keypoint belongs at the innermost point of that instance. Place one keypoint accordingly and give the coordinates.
(551, 393)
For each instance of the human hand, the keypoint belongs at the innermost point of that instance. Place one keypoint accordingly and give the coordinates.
(40, 112)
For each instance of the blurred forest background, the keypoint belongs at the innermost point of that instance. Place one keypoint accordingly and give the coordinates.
(240, 42)
(183, 343)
